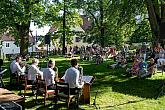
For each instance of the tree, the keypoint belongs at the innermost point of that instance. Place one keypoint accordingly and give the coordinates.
(68, 20)
(95, 9)
(111, 24)
(16, 16)
(156, 13)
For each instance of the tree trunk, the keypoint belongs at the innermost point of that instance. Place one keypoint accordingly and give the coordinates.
(101, 24)
(153, 20)
(24, 39)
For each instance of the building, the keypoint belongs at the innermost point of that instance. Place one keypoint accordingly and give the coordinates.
(8, 45)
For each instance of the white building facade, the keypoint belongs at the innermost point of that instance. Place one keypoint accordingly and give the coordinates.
(8, 46)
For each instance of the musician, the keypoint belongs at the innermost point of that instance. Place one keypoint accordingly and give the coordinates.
(49, 75)
(72, 77)
(34, 70)
(16, 66)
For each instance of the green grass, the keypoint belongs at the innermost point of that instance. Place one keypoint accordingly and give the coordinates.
(114, 91)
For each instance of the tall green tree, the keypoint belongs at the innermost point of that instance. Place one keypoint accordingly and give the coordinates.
(16, 16)
(69, 18)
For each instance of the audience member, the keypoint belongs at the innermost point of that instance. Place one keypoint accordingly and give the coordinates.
(151, 69)
(142, 67)
(135, 67)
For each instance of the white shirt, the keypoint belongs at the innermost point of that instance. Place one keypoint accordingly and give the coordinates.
(49, 76)
(72, 78)
(33, 72)
(16, 68)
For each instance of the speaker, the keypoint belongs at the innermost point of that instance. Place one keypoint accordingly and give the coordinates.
(162, 30)
(47, 39)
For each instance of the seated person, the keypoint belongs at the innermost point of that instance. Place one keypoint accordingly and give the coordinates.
(135, 67)
(34, 70)
(117, 59)
(49, 75)
(151, 68)
(16, 66)
(161, 59)
(142, 67)
(72, 77)
(121, 61)
(99, 59)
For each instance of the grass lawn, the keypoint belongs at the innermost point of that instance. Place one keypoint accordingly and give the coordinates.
(114, 91)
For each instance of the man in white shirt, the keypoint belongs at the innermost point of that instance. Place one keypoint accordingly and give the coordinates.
(34, 70)
(49, 75)
(72, 77)
(16, 67)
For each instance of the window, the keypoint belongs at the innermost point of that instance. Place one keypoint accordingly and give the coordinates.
(77, 39)
(7, 45)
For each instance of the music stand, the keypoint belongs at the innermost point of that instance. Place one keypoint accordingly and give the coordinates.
(94, 102)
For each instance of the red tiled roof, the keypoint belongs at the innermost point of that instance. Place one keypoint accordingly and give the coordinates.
(7, 37)
(86, 23)
(52, 29)
(31, 38)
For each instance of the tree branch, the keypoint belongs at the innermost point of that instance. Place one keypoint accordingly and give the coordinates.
(97, 23)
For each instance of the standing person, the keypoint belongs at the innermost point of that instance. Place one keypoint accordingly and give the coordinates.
(16, 67)
(34, 70)
(49, 75)
(72, 77)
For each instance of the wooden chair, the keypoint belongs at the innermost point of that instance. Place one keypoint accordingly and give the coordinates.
(42, 90)
(62, 91)
(27, 85)
(13, 76)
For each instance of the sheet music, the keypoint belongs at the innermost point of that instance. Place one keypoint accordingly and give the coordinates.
(87, 79)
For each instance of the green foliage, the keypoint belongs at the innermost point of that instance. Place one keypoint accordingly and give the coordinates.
(72, 19)
(119, 21)
(142, 33)
(16, 16)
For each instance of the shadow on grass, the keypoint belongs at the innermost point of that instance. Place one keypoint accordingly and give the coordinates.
(49, 106)
(32, 103)
(145, 88)
(129, 102)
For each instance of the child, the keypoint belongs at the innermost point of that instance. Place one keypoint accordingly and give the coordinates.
(151, 68)
(135, 67)
(142, 68)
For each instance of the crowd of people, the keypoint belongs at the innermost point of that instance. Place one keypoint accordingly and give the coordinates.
(96, 53)
(144, 61)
